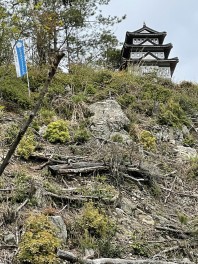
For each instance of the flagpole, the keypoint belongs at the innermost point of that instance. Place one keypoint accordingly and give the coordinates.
(28, 82)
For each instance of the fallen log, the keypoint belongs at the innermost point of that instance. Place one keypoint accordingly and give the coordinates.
(65, 255)
(77, 168)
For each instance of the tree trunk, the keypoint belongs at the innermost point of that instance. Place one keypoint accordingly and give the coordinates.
(33, 113)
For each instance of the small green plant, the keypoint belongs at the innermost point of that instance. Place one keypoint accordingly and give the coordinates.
(81, 135)
(155, 190)
(52, 187)
(193, 168)
(183, 219)
(95, 229)
(117, 138)
(172, 114)
(138, 246)
(1, 110)
(45, 116)
(11, 133)
(57, 131)
(126, 99)
(39, 242)
(27, 145)
(22, 183)
(148, 140)
(189, 141)
(101, 189)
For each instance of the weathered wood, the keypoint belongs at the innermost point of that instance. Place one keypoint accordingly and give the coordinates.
(73, 259)
(77, 168)
(176, 232)
(69, 256)
(130, 261)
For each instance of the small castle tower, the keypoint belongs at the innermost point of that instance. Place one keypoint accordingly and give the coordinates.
(143, 51)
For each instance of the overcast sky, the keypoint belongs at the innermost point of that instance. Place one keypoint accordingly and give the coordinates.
(179, 18)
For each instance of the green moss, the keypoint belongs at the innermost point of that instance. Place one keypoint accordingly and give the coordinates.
(39, 242)
(57, 131)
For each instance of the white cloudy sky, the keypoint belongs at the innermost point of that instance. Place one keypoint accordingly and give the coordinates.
(179, 18)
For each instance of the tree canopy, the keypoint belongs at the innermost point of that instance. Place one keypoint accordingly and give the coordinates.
(76, 27)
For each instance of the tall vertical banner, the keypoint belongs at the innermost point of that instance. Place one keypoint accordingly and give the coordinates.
(19, 58)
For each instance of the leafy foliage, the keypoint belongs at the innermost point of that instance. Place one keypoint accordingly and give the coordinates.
(57, 131)
(14, 89)
(22, 183)
(96, 230)
(172, 114)
(148, 140)
(27, 145)
(81, 135)
(39, 242)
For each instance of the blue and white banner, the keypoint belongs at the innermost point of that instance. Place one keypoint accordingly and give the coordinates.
(19, 58)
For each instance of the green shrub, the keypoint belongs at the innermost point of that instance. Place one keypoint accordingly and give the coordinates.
(11, 133)
(148, 140)
(44, 117)
(126, 99)
(57, 131)
(172, 114)
(78, 98)
(1, 110)
(39, 243)
(95, 229)
(27, 145)
(81, 135)
(155, 92)
(189, 141)
(22, 184)
(193, 168)
(14, 89)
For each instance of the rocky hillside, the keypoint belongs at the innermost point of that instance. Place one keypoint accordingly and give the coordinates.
(107, 172)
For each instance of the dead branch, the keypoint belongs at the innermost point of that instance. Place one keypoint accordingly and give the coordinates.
(22, 205)
(176, 232)
(185, 194)
(80, 198)
(166, 251)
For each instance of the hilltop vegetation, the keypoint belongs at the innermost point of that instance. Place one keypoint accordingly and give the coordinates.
(133, 198)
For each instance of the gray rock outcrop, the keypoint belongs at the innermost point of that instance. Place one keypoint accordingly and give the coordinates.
(60, 226)
(108, 118)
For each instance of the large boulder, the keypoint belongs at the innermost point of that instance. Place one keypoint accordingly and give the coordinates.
(107, 119)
